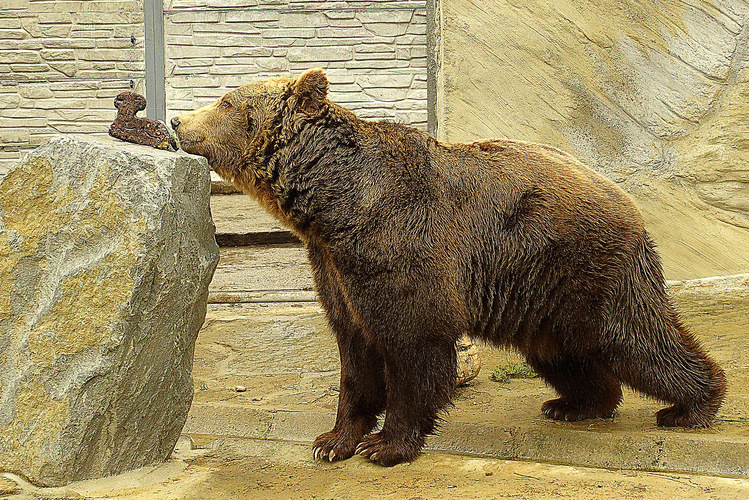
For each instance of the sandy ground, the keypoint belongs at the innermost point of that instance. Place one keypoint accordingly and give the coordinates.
(241, 468)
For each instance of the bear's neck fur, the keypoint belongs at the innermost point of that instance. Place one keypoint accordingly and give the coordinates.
(301, 151)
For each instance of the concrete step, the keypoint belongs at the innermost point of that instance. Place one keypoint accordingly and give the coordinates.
(285, 362)
(262, 269)
(240, 221)
(220, 186)
(265, 469)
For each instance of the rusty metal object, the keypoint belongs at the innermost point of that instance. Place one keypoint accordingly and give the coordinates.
(131, 128)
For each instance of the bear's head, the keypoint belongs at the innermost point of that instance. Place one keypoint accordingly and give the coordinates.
(237, 130)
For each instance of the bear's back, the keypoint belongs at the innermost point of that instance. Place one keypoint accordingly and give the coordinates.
(411, 197)
(523, 165)
(496, 172)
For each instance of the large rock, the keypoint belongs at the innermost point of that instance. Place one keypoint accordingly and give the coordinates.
(106, 253)
(654, 95)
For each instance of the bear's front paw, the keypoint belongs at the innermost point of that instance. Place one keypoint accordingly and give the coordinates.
(333, 446)
(387, 452)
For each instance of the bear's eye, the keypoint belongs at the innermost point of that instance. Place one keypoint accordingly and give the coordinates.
(225, 104)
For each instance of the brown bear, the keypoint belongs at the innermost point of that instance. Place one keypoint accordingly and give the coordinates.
(414, 242)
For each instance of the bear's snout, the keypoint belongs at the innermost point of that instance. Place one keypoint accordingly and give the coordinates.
(191, 133)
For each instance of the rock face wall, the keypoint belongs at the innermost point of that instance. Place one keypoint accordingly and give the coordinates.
(106, 253)
(655, 95)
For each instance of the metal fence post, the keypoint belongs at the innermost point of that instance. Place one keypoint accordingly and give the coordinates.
(154, 44)
(433, 64)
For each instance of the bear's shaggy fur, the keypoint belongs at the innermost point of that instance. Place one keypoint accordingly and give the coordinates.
(414, 242)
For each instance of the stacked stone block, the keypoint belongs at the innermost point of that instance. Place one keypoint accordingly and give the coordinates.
(62, 64)
(64, 61)
(374, 52)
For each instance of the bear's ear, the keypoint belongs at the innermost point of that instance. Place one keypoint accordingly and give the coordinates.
(311, 89)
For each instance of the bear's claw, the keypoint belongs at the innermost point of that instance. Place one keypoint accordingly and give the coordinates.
(322, 454)
(386, 452)
(559, 409)
(332, 446)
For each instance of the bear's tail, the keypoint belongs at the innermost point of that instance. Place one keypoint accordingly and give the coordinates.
(659, 356)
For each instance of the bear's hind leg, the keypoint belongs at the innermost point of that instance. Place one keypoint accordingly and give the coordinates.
(675, 369)
(586, 389)
(656, 354)
(420, 381)
(702, 404)
(360, 400)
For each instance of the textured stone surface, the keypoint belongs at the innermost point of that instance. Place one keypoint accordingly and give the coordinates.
(375, 51)
(106, 253)
(63, 64)
(653, 94)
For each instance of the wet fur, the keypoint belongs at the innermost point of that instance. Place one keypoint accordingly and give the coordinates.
(414, 242)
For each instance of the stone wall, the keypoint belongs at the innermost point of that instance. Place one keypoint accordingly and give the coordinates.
(62, 64)
(374, 51)
(64, 61)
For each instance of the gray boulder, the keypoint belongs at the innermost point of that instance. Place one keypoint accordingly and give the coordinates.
(106, 252)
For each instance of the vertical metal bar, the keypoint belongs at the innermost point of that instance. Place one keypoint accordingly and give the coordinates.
(154, 45)
(433, 45)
